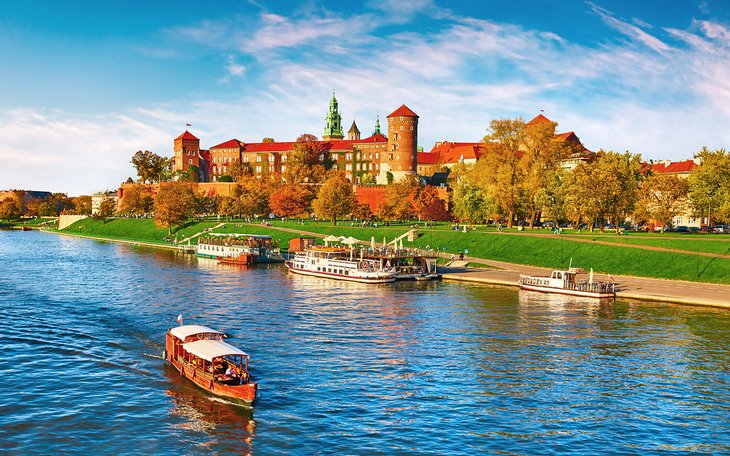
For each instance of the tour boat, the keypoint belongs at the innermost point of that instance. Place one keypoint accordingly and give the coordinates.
(200, 355)
(565, 282)
(230, 245)
(338, 263)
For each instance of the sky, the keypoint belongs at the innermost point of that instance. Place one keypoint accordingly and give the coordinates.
(85, 84)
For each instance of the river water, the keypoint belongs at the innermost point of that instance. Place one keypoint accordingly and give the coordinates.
(436, 368)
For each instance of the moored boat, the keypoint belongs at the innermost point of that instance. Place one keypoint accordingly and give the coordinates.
(566, 282)
(200, 355)
(338, 263)
(262, 248)
(241, 260)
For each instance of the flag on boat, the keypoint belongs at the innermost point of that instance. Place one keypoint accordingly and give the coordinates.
(179, 319)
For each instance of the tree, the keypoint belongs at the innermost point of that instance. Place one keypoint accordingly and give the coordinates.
(709, 185)
(175, 201)
(54, 205)
(335, 198)
(267, 140)
(399, 198)
(429, 206)
(137, 200)
(368, 179)
(291, 200)
(498, 173)
(82, 204)
(361, 211)
(664, 196)
(9, 208)
(252, 196)
(470, 203)
(107, 208)
(308, 161)
(151, 167)
(240, 170)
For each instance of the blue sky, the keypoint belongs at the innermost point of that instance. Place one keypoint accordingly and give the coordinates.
(85, 84)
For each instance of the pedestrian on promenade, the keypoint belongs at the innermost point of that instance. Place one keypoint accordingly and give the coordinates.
(499, 227)
(452, 257)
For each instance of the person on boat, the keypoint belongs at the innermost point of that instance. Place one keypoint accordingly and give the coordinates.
(231, 371)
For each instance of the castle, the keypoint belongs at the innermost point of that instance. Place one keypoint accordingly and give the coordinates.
(385, 157)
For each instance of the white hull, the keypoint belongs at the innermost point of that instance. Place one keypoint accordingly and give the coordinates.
(349, 278)
(566, 291)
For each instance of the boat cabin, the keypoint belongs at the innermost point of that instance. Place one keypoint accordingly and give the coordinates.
(203, 351)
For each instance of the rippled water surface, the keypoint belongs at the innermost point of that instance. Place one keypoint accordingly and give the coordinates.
(436, 368)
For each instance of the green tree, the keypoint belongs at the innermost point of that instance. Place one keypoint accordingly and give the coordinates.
(150, 166)
(335, 198)
(175, 202)
(368, 179)
(709, 185)
(470, 203)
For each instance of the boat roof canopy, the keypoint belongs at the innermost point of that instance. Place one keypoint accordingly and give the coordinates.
(210, 349)
(254, 236)
(181, 332)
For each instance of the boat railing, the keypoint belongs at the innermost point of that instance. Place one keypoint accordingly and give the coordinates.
(595, 287)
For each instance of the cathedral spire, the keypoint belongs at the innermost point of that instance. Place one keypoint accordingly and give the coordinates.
(377, 125)
(333, 122)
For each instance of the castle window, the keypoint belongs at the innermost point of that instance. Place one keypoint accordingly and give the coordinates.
(258, 159)
(190, 161)
(390, 157)
(271, 158)
(245, 159)
(401, 127)
(283, 158)
(258, 169)
(401, 118)
(348, 157)
(411, 127)
(283, 168)
(348, 167)
(377, 155)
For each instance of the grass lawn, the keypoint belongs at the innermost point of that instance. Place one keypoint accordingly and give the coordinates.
(547, 251)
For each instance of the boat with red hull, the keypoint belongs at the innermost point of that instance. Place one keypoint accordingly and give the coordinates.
(243, 259)
(200, 355)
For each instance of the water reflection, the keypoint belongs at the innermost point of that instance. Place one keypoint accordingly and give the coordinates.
(223, 427)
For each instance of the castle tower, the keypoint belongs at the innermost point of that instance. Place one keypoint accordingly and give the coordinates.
(353, 133)
(187, 151)
(333, 122)
(401, 156)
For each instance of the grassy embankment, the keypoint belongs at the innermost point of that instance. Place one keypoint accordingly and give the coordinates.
(514, 247)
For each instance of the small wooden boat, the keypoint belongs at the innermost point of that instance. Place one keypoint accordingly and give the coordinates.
(200, 354)
(242, 259)
(565, 282)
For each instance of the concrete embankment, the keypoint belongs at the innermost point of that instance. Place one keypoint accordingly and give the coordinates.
(646, 289)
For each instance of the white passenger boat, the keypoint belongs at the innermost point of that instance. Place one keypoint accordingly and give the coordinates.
(338, 263)
(565, 282)
(260, 248)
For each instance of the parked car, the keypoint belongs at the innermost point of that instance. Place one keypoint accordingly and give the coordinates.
(722, 229)
(707, 229)
(681, 229)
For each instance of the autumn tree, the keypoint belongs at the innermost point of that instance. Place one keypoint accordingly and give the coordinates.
(151, 167)
(709, 185)
(267, 140)
(498, 173)
(107, 208)
(307, 162)
(175, 201)
(82, 204)
(54, 205)
(291, 200)
(137, 200)
(663, 197)
(252, 196)
(361, 211)
(399, 198)
(470, 203)
(335, 198)
(429, 206)
(9, 208)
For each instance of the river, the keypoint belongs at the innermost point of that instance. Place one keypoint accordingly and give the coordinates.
(430, 368)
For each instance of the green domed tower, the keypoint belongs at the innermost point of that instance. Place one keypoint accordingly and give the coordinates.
(333, 122)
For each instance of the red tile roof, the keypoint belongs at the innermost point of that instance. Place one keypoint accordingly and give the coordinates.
(187, 135)
(230, 144)
(428, 158)
(339, 145)
(681, 167)
(450, 152)
(538, 119)
(403, 111)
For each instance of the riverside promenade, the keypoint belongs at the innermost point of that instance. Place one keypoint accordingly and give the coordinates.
(642, 288)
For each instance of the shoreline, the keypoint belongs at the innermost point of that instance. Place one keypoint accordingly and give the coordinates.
(507, 274)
